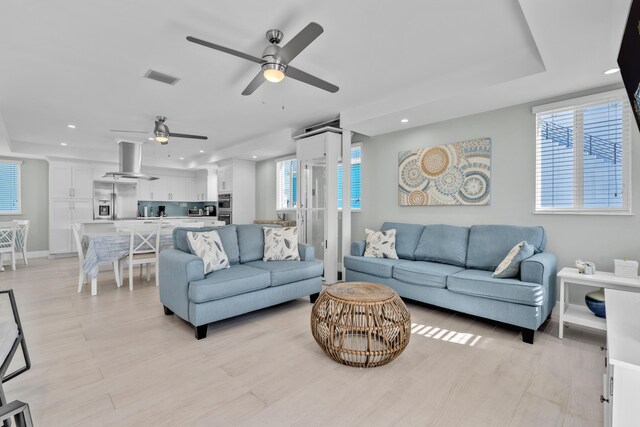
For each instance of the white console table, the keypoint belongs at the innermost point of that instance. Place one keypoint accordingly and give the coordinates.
(581, 315)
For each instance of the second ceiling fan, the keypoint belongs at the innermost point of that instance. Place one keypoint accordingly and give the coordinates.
(275, 60)
(161, 132)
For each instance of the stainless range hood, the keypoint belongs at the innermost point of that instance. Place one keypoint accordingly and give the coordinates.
(130, 162)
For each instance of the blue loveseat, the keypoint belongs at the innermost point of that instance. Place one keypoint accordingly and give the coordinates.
(451, 267)
(249, 284)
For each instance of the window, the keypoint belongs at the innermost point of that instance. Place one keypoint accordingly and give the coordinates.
(10, 187)
(583, 155)
(356, 161)
(286, 174)
(286, 184)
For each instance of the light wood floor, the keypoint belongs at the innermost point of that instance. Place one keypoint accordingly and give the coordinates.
(116, 359)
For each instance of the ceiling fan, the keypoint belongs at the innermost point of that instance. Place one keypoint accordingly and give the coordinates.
(161, 132)
(275, 60)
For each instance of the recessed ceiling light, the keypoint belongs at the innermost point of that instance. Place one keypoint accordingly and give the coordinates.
(63, 143)
(181, 158)
(404, 120)
(71, 126)
(151, 139)
(612, 71)
(254, 157)
(202, 151)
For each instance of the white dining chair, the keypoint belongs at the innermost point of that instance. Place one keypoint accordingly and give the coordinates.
(22, 233)
(82, 276)
(8, 242)
(144, 246)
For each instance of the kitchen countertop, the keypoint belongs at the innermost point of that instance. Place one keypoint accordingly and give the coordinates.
(151, 218)
(278, 222)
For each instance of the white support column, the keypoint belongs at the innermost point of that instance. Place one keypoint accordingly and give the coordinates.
(333, 149)
(346, 197)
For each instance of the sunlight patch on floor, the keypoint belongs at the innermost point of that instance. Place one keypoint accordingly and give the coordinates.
(445, 334)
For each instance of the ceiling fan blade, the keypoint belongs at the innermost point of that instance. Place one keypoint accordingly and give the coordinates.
(225, 50)
(130, 131)
(186, 135)
(299, 42)
(255, 84)
(299, 75)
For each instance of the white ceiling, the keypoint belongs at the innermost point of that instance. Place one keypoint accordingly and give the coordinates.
(72, 61)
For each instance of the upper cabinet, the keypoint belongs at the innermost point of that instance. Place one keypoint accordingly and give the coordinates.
(225, 179)
(70, 181)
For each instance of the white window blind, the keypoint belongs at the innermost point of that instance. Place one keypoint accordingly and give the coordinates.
(583, 155)
(356, 162)
(10, 187)
(286, 181)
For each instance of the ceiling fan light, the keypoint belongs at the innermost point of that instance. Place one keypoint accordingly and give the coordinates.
(161, 137)
(273, 73)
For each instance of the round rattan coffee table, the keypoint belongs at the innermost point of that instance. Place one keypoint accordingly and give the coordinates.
(361, 324)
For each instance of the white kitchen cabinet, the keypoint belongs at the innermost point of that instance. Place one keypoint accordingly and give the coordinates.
(177, 188)
(192, 189)
(143, 189)
(63, 214)
(70, 181)
(225, 179)
(212, 187)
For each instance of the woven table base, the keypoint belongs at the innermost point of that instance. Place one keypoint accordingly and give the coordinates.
(361, 324)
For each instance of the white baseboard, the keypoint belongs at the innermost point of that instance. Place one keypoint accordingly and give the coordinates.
(30, 254)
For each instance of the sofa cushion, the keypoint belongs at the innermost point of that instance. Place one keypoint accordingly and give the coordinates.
(251, 241)
(284, 272)
(380, 244)
(443, 243)
(207, 245)
(480, 283)
(381, 267)
(407, 236)
(239, 279)
(424, 273)
(281, 244)
(510, 265)
(489, 244)
(228, 237)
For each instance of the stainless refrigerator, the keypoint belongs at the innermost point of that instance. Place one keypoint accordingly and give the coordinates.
(113, 201)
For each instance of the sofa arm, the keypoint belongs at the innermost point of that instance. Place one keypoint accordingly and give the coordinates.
(176, 270)
(357, 248)
(307, 252)
(542, 269)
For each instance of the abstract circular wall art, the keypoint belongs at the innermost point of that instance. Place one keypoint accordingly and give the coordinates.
(446, 175)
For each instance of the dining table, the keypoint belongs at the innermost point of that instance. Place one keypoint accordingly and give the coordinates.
(110, 246)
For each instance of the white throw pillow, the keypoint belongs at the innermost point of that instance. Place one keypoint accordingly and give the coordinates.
(381, 244)
(281, 244)
(510, 265)
(208, 246)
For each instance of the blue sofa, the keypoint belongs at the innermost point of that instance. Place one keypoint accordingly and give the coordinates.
(451, 267)
(249, 284)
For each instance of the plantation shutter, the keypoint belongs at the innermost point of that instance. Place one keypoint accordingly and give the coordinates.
(286, 184)
(356, 160)
(583, 155)
(10, 187)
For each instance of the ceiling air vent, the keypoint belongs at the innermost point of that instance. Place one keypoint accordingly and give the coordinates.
(161, 77)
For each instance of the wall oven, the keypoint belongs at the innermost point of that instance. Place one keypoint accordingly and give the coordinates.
(224, 202)
(226, 217)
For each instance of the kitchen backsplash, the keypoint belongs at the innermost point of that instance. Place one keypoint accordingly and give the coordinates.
(171, 208)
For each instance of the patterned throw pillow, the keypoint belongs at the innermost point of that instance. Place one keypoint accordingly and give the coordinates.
(281, 244)
(208, 246)
(381, 244)
(510, 265)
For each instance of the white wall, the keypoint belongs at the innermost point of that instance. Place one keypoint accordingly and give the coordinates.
(266, 189)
